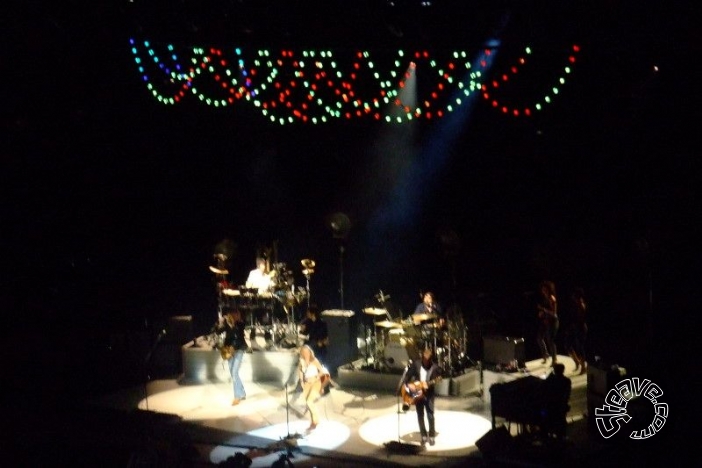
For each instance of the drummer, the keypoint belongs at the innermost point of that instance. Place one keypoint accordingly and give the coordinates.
(260, 280)
(428, 309)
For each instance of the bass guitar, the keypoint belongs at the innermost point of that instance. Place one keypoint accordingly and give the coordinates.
(414, 392)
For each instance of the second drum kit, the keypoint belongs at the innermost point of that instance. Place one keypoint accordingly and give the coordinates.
(392, 343)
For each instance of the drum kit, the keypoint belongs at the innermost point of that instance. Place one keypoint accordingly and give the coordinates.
(263, 308)
(392, 343)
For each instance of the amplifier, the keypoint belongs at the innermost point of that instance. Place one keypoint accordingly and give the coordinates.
(503, 350)
(342, 338)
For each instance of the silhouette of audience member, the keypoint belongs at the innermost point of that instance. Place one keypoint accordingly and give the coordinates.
(556, 397)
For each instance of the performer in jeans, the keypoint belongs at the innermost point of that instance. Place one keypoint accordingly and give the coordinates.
(233, 348)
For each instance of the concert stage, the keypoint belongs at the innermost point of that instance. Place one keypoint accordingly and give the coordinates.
(362, 423)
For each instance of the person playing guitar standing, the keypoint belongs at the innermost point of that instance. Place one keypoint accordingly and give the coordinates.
(418, 389)
(231, 325)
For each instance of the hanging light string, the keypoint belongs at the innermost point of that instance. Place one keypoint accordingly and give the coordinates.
(317, 86)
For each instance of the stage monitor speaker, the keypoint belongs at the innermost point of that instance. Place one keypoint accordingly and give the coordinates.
(342, 339)
(503, 350)
(495, 441)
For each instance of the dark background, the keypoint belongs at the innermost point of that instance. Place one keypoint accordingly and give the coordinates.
(113, 204)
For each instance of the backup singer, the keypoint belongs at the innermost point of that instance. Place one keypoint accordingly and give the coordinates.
(233, 348)
(547, 312)
(420, 379)
(576, 330)
(311, 373)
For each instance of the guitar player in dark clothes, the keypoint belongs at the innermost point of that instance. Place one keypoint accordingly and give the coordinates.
(418, 389)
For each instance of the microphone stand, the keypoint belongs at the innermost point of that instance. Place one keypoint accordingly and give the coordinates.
(290, 440)
(147, 363)
(398, 445)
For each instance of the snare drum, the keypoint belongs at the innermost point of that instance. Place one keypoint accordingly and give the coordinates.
(396, 335)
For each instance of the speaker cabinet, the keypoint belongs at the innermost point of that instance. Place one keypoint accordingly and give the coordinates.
(503, 350)
(342, 339)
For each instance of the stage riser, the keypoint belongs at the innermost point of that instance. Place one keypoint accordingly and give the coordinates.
(204, 364)
(465, 384)
(355, 377)
(361, 379)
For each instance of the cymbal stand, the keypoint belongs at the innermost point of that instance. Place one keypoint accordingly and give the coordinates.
(308, 275)
(374, 352)
(448, 335)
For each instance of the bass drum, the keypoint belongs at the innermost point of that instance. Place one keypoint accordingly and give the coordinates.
(397, 355)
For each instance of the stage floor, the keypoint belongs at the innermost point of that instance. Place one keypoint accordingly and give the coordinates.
(359, 427)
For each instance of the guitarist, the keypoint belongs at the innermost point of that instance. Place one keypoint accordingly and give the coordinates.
(419, 383)
(233, 348)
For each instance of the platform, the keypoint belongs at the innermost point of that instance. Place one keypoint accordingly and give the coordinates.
(202, 363)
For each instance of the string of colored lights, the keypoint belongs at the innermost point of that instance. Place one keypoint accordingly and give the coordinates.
(489, 91)
(314, 85)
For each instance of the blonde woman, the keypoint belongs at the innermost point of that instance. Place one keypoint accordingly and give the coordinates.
(312, 376)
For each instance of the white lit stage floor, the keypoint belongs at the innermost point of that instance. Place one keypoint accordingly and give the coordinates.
(357, 428)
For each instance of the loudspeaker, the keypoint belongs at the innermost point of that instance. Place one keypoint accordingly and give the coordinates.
(503, 350)
(495, 441)
(342, 340)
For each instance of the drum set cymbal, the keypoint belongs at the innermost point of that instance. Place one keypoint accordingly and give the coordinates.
(422, 318)
(374, 311)
(219, 271)
(231, 292)
(388, 324)
(307, 267)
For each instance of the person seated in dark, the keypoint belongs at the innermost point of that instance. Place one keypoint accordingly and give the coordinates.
(316, 333)
(556, 397)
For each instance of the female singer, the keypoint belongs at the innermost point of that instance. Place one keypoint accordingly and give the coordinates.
(312, 377)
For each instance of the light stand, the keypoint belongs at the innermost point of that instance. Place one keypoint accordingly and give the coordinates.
(341, 274)
(340, 224)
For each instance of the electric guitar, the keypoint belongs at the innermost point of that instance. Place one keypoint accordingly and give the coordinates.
(414, 392)
(227, 352)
